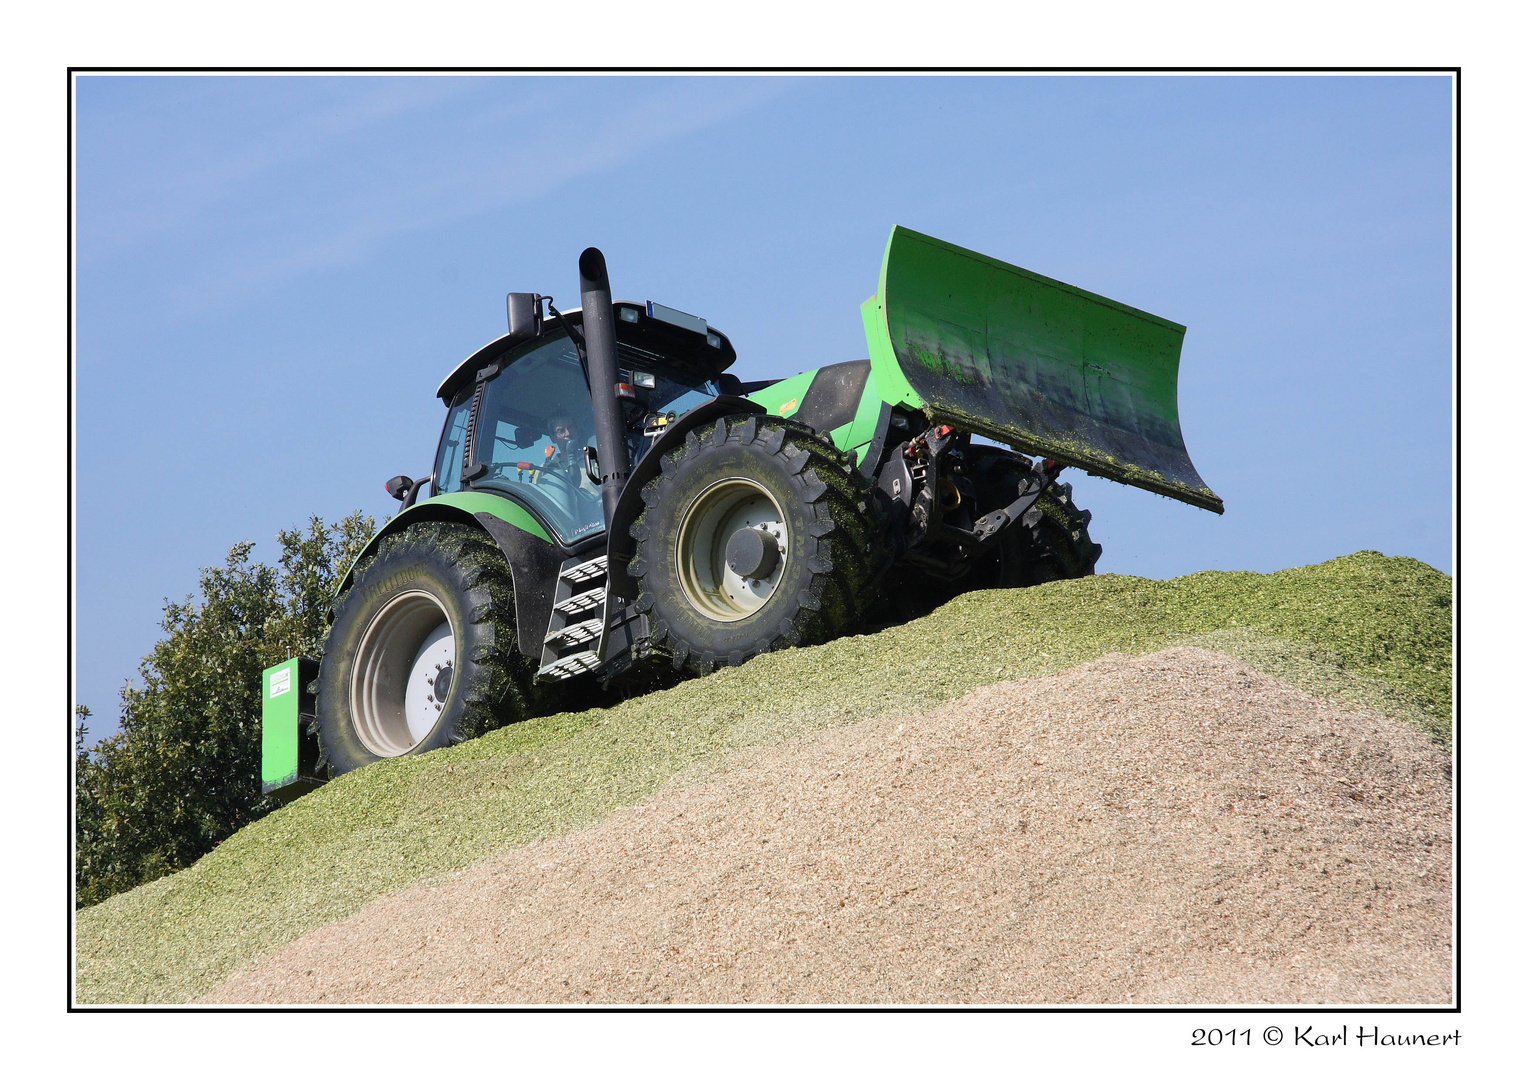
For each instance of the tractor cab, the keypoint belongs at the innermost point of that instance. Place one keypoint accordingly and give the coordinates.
(521, 421)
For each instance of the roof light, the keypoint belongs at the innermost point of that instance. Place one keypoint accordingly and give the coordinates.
(644, 380)
(713, 339)
(629, 314)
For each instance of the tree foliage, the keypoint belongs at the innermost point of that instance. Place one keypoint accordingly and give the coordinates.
(183, 770)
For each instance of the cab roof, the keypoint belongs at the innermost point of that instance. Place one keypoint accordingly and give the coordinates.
(649, 327)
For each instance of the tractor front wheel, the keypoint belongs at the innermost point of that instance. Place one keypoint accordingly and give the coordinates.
(422, 652)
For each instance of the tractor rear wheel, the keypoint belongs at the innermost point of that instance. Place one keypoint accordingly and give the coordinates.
(1050, 543)
(422, 651)
(756, 536)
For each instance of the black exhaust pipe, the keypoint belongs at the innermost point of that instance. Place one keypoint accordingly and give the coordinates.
(604, 374)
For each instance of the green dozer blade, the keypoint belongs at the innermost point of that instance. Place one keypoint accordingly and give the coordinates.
(1029, 361)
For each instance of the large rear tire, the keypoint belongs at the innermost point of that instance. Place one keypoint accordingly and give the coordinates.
(422, 651)
(756, 536)
(1050, 543)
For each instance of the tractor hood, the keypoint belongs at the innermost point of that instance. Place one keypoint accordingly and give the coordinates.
(1029, 361)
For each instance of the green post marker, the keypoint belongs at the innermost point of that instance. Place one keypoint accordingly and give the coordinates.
(288, 754)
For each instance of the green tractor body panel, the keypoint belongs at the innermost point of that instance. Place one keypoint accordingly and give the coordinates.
(858, 433)
(784, 397)
(481, 502)
(1043, 366)
(455, 505)
(858, 427)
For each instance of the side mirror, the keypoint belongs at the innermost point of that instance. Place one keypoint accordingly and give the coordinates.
(398, 487)
(524, 310)
(405, 490)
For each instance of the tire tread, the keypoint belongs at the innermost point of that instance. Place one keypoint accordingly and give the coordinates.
(501, 692)
(837, 548)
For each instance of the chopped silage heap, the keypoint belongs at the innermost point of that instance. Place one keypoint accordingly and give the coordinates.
(1364, 629)
(1176, 828)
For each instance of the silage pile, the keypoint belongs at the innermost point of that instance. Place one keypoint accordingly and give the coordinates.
(1176, 828)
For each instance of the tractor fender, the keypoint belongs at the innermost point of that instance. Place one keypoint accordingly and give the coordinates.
(533, 557)
(627, 508)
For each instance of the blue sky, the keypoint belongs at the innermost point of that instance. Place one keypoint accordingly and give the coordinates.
(274, 273)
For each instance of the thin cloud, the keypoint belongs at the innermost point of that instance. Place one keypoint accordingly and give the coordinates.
(436, 192)
(170, 198)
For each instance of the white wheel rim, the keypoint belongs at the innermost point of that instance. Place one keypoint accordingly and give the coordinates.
(711, 586)
(404, 671)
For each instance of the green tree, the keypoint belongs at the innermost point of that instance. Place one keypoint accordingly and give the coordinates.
(182, 772)
(87, 802)
(310, 568)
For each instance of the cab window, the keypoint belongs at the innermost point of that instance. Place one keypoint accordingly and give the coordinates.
(448, 459)
(536, 422)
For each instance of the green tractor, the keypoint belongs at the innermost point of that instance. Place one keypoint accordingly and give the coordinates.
(607, 495)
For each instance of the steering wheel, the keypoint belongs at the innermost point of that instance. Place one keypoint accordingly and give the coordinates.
(503, 467)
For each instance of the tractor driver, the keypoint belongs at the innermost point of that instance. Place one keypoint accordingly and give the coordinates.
(565, 454)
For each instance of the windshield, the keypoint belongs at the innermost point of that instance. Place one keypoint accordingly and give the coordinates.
(536, 422)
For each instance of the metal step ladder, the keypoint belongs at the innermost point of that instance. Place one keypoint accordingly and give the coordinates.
(572, 641)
